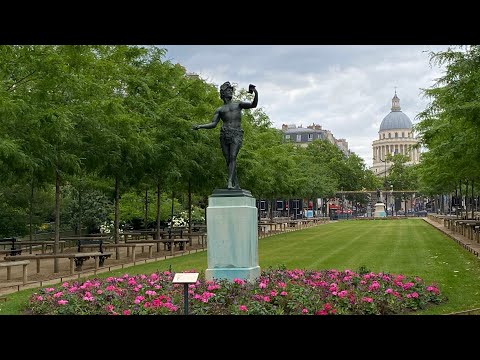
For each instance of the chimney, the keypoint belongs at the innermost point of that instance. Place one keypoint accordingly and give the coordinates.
(284, 127)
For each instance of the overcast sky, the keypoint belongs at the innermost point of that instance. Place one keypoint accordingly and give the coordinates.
(345, 89)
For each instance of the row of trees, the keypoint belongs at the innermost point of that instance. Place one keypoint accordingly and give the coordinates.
(114, 120)
(449, 127)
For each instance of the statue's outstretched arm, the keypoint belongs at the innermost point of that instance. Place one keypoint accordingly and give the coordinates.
(215, 120)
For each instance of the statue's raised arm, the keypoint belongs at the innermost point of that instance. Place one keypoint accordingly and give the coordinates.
(253, 104)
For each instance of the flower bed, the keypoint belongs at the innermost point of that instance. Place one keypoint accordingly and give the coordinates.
(276, 292)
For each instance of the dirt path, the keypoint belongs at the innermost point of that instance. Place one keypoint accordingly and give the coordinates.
(46, 266)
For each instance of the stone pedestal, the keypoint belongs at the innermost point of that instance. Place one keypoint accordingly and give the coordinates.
(232, 248)
(380, 210)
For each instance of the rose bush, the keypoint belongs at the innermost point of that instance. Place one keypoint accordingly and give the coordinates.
(276, 292)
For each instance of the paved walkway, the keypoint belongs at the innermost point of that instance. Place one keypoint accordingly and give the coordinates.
(463, 241)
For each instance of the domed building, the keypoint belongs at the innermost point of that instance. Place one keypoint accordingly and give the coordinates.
(394, 137)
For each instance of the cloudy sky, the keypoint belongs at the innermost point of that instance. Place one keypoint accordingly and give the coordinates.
(346, 89)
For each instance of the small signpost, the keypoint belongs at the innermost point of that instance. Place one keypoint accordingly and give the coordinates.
(185, 279)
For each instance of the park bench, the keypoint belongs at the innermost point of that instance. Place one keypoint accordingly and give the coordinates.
(201, 237)
(90, 244)
(131, 246)
(43, 244)
(173, 232)
(13, 249)
(169, 244)
(87, 243)
(9, 266)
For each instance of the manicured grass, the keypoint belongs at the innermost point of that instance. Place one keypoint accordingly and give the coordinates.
(407, 246)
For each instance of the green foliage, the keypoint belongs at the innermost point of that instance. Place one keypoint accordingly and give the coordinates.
(122, 115)
(362, 270)
(449, 126)
(401, 176)
(13, 221)
(132, 207)
(89, 207)
(16, 203)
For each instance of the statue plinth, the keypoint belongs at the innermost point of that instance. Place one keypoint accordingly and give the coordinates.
(379, 210)
(231, 193)
(232, 247)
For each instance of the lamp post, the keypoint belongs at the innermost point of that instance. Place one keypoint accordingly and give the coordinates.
(391, 197)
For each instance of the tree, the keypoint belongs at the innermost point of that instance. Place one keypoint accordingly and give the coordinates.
(449, 125)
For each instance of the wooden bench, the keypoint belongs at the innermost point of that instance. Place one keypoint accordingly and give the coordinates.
(9, 265)
(132, 246)
(43, 243)
(169, 244)
(10, 242)
(77, 259)
(201, 236)
(89, 243)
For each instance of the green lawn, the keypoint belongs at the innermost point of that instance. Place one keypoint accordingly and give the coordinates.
(407, 246)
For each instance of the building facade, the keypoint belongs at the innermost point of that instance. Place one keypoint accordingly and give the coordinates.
(394, 137)
(303, 136)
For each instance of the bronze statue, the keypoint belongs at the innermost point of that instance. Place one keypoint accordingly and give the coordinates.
(231, 132)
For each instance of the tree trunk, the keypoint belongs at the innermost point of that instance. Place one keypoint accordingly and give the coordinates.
(146, 209)
(473, 214)
(30, 210)
(117, 217)
(80, 209)
(271, 210)
(171, 218)
(157, 228)
(57, 221)
(205, 201)
(189, 207)
(466, 200)
(461, 200)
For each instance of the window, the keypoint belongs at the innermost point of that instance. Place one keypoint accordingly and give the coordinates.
(287, 137)
(310, 137)
(384, 136)
(296, 204)
(396, 135)
(263, 205)
(299, 138)
(389, 135)
(403, 134)
(279, 204)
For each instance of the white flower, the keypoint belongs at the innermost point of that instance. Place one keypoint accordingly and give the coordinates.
(179, 221)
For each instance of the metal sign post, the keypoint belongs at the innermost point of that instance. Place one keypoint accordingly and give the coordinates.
(185, 279)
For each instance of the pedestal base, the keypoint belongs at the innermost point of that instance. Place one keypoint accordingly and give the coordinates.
(380, 210)
(232, 248)
(248, 274)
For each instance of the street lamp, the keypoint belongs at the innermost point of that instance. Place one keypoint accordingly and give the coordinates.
(391, 197)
